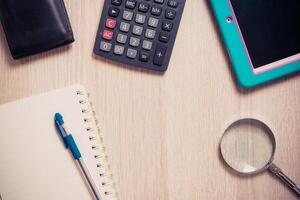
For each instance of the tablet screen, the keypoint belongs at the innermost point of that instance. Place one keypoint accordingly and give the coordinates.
(270, 29)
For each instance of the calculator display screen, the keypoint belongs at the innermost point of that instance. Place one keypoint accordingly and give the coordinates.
(270, 29)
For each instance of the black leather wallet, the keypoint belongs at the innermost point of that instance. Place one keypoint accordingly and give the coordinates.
(34, 26)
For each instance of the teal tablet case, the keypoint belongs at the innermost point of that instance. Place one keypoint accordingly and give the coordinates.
(237, 51)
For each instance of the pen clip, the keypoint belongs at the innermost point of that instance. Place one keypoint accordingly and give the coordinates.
(58, 122)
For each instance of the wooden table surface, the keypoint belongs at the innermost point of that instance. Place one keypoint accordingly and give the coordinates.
(162, 131)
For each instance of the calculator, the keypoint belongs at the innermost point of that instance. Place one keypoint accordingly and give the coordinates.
(141, 33)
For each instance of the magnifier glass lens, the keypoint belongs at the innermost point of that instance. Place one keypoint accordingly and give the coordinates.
(247, 146)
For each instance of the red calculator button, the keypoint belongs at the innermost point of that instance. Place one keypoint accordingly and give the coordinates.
(108, 35)
(110, 23)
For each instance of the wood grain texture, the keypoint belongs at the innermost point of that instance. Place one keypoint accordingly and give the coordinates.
(162, 131)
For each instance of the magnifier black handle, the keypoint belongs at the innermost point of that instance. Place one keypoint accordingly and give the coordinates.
(284, 178)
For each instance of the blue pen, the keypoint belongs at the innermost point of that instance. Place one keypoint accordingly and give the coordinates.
(70, 143)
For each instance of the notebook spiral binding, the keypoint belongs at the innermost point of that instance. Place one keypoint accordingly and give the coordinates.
(94, 135)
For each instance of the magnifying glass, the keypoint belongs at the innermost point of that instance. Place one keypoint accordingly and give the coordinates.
(248, 147)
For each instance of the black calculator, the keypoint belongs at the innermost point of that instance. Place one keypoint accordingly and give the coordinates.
(139, 32)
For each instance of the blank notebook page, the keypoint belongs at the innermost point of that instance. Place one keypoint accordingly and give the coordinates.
(34, 161)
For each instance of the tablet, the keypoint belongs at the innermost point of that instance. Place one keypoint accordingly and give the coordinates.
(262, 37)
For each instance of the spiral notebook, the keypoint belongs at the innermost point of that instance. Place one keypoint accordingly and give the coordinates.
(34, 162)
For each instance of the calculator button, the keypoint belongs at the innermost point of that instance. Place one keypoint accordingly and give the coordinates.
(116, 2)
(130, 4)
(110, 23)
(131, 53)
(159, 55)
(144, 56)
(144, 7)
(153, 22)
(113, 12)
(147, 45)
(124, 27)
(121, 38)
(127, 15)
(170, 14)
(164, 37)
(167, 25)
(137, 30)
(108, 35)
(173, 3)
(140, 19)
(135, 42)
(159, 1)
(119, 50)
(156, 10)
(105, 46)
(150, 33)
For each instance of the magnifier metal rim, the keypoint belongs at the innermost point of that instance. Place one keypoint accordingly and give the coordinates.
(268, 131)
